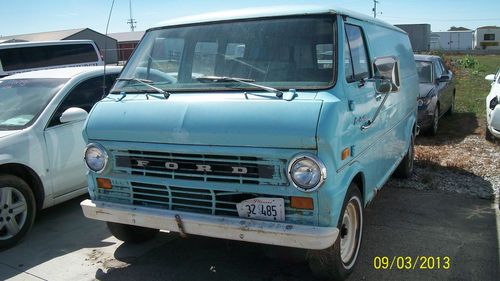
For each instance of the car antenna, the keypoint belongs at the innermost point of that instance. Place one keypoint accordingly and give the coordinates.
(105, 50)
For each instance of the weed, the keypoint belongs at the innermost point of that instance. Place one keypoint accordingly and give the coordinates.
(468, 61)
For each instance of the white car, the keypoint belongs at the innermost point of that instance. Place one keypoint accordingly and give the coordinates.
(492, 107)
(41, 120)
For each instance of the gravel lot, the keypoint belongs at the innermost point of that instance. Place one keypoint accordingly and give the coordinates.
(457, 160)
(401, 222)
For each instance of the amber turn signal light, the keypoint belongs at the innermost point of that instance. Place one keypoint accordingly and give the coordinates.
(104, 183)
(345, 153)
(302, 203)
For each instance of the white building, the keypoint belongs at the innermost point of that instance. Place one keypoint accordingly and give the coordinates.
(487, 38)
(452, 40)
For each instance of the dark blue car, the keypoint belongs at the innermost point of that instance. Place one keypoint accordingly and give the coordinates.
(437, 92)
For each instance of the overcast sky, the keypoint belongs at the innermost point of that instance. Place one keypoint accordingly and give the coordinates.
(29, 16)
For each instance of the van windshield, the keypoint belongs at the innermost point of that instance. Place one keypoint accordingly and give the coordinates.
(282, 53)
(22, 100)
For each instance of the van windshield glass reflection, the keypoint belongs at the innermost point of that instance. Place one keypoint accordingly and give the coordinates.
(281, 53)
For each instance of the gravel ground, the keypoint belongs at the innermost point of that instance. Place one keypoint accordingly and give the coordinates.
(468, 165)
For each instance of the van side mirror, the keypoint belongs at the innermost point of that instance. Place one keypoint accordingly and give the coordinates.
(387, 72)
(73, 114)
(383, 86)
(490, 77)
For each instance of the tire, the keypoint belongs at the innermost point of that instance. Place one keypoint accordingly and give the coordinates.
(338, 261)
(451, 110)
(433, 129)
(17, 210)
(131, 233)
(405, 168)
(488, 135)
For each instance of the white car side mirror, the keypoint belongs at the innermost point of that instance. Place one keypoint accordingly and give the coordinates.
(490, 77)
(73, 114)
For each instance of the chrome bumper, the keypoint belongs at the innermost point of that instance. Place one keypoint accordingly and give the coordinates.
(272, 233)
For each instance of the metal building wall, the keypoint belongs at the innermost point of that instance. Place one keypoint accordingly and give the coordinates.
(111, 54)
(419, 36)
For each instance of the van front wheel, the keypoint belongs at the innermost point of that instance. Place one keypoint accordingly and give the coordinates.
(131, 233)
(337, 261)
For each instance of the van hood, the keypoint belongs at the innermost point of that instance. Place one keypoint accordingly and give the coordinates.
(207, 120)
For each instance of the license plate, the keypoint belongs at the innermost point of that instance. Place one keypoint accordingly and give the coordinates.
(272, 209)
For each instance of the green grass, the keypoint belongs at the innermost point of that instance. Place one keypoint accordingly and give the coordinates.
(472, 88)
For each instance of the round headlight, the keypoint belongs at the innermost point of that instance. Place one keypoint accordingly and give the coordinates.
(306, 172)
(96, 157)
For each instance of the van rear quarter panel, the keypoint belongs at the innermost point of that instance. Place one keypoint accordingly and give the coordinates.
(376, 158)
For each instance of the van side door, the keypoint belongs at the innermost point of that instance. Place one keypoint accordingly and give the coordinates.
(363, 101)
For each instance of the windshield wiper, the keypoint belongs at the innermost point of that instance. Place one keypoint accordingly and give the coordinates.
(147, 83)
(217, 79)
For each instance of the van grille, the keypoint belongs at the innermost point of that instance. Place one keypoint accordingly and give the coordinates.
(213, 202)
(221, 168)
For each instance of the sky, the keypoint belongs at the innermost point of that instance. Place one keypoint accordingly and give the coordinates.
(30, 16)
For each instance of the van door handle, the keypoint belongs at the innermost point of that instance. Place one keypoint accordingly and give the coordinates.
(370, 122)
(378, 97)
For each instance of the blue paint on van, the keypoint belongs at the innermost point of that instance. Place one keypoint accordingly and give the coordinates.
(191, 157)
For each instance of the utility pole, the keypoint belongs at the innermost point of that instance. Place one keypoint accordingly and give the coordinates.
(131, 20)
(375, 2)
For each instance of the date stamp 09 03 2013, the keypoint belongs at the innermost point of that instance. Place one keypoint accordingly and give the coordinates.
(411, 263)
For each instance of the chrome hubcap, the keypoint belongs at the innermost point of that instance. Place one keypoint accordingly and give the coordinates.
(349, 228)
(13, 212)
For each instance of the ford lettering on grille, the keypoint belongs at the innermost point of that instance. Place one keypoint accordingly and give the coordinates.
(214, 168)
(199, 167)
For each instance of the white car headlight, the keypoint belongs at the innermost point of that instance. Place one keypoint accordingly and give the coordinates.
(96, 157)
(306, 172)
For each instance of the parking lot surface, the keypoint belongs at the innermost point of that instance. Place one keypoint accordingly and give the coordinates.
(64, 245)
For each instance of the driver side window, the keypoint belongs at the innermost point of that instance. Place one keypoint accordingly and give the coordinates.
(437, 70)
(83, 96)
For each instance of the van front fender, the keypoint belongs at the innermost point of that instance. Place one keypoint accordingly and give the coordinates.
(332, 195)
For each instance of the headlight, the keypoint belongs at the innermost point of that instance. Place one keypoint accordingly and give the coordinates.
(423, 101)
(493, 103)
(306, 172)
(96, 157)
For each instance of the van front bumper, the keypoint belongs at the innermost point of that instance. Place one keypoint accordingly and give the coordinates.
(264, 232)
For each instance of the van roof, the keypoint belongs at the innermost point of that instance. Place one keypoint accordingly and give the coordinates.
(66, 72)
(273, 11)
(43, 43)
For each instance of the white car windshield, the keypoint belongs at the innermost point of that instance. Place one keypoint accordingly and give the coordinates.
(22, 100)
(283, 53)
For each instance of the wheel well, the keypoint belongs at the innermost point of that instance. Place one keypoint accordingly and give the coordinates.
(358, 180)
(31, 178)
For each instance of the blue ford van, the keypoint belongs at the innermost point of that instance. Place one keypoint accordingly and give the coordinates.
(274, 126)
